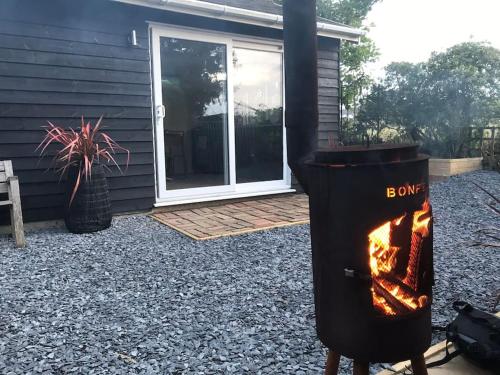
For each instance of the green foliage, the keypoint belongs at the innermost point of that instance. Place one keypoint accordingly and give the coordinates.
(433, 102)
(353, 57)
(373, 113)
(349, 12)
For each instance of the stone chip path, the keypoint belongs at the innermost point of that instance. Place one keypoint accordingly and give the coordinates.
(141, 298)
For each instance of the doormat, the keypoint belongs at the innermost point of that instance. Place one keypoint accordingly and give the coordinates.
(232, 219)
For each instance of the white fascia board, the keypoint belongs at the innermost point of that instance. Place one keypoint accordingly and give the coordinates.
(228, 13)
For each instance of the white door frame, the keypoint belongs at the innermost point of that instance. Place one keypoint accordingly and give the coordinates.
(232, 190)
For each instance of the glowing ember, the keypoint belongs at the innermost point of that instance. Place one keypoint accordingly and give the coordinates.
(392, 293)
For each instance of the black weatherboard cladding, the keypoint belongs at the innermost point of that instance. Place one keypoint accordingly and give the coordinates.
(60, 59)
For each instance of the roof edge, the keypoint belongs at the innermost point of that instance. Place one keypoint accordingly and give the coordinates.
(228, 13)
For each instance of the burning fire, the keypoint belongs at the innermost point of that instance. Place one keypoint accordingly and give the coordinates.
(383, 256)
(392, 293)
(421, 225)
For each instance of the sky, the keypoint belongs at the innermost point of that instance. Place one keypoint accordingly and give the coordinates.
(409, 30)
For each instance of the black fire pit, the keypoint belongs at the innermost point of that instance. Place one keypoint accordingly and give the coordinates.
(371, 231)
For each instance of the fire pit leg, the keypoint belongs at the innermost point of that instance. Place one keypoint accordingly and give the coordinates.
(360, 368)
(418, 365)
(332, 363)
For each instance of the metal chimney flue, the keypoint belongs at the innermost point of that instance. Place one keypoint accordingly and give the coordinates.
(301, 84)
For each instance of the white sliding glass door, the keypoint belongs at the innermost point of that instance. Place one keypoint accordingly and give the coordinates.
(218, 116)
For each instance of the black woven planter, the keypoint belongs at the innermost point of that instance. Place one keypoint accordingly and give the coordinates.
(90, 210)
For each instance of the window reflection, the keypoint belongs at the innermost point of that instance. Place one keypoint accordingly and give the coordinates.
(258, 115)
(194, 91)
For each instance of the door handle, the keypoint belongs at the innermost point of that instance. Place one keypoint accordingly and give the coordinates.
(160, 111)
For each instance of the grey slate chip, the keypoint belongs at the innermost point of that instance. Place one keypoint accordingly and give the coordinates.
(140, 298)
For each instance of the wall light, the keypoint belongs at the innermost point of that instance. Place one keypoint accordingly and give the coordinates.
(133, 39)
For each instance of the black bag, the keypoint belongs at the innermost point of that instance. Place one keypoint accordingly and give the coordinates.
(476, 335)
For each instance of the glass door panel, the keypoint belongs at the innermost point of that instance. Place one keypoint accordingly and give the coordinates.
(258, 115)
(195, 124)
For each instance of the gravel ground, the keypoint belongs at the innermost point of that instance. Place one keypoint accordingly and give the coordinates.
(142, 299)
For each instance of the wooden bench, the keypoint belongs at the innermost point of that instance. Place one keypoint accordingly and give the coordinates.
(10, 184)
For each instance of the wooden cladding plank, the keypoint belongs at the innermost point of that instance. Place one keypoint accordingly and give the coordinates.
(43, 189)
(35, 136)
(72, 86)
(327, 91)
(32, 161)
(328, 82)
(108, 124)
(328, 100)
(55, 187)
(128, 182)
(30, 29)
(54, 195)
(328, 55)
(328, 64)
(328, 73)
(70, 73)
(78, 61)
(42, 200)
(328, 118)
(94, 15)
(133, 205)
(36, 214)
(329, 109)
(73, 111)
(134, 193)
(328, 44)
(41, 97)
(73, 48)
(30, 176)
(11, 150)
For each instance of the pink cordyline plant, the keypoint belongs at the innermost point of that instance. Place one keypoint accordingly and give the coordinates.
(81, 149)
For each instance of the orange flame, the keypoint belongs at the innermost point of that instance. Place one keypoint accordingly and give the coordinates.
(383, 261)
(422, 225)
(382, 254)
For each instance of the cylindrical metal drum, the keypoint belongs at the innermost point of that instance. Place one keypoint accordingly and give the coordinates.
(371, 230)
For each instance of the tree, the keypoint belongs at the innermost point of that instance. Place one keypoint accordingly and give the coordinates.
(435, 101)
(466, 82)
(373, 113)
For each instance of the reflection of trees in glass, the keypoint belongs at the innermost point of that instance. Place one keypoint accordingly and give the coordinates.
(259, 135)
(245, 114)
(194, 94)
(193, 74)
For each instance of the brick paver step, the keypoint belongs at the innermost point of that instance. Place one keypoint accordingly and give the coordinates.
(237, 217)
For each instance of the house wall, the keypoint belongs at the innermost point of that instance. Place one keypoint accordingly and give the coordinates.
(60, 59)
(328, 95)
